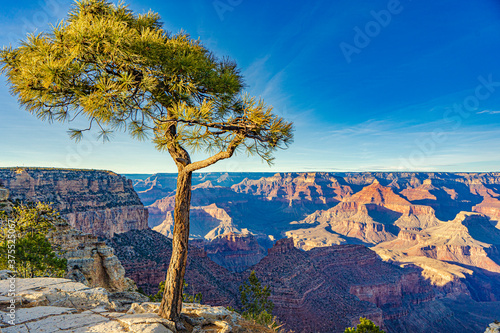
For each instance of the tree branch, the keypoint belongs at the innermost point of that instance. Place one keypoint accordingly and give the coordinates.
(224, 127)
(238, 139)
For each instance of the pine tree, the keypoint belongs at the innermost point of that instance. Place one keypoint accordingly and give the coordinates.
(255, 303)
(122, 71)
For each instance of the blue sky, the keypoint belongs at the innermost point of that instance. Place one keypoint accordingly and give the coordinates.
(370, 85)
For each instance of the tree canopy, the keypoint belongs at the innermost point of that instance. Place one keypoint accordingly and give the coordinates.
(122, 71)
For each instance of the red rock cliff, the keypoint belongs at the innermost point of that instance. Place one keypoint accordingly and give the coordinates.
(98, 202)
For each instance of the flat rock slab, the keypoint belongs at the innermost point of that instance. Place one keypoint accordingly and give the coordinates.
(149, 328)
(146, 307)
(206, 311)
(65, 322)
(105, 327)
(15, 329)
(62, 305)
(145, 318)
(23, 285)
(28, 314)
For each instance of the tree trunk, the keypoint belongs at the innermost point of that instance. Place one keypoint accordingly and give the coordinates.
(171, 303)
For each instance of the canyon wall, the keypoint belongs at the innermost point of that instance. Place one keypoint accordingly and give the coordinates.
(98, 202)
(89, 260)
(443, 225)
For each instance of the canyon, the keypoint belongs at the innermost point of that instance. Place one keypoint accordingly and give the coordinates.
(412, 251)
(322, 290)
(323, 209)
(444, 225)
(89, 261)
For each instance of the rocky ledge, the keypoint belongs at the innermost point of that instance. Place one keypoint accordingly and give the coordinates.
(61, 305)
(493, 328)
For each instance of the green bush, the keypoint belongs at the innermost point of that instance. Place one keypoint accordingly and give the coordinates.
(24, 246)
(365, 326)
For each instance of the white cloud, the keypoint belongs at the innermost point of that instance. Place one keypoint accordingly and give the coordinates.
(488, 112)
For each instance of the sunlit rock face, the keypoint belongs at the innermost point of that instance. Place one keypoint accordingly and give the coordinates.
(97, 202)
(89, 260)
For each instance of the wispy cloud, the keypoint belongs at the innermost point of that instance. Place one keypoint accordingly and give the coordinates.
(488, 112)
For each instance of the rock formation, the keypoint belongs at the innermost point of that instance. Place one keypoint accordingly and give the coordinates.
(466, 248)
(235, 251)
(5, 205)
(409, 218)
(60, 305)
(206, 222)
(90, 261)
(145, 255)
(97, 202)
(296, 188)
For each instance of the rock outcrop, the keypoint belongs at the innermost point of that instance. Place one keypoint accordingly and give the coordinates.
(160, 185)
(297, 188)
(235, 251)
(5, 204)
(466, 248)
(90, 261)
(60, 305)
(145, 255)
(98, 202)
(206, 222)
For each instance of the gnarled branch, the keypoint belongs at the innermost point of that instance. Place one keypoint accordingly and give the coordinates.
(238, 139)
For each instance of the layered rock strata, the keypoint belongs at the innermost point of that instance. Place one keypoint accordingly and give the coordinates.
(98, 202)
(322, 290)
(90, 261)
(235, 251)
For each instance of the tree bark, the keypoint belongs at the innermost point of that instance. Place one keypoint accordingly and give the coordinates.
(171, 304)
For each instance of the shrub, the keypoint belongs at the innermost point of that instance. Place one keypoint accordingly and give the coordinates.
(24, 246)
(365, 326)
(255, 303)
